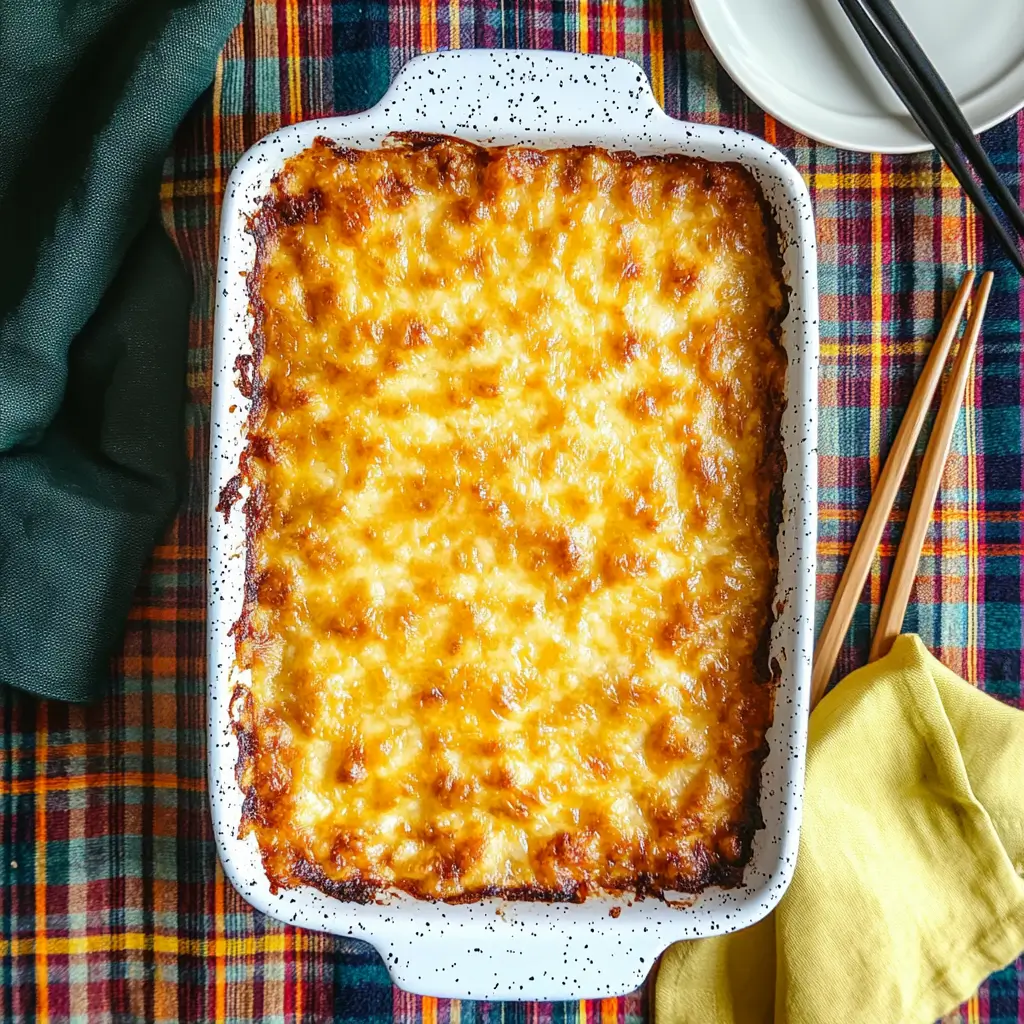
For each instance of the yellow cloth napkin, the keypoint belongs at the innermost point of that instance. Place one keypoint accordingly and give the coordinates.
(908, 888)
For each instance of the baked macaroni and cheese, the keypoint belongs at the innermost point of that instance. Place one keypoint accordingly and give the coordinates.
(514, 478)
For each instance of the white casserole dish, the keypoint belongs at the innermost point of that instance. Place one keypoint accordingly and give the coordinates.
(496, 949)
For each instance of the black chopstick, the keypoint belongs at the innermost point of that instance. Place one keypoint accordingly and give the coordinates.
(904, 41)
(922, 109)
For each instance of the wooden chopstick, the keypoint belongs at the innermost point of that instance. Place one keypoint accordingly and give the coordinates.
(906, 44)
(894, 607)
(847, 594)
(905, 83)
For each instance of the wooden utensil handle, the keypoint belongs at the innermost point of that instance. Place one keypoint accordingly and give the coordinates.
(862, 554)
(904, 570)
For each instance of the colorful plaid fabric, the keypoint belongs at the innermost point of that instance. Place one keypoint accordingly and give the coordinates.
(113, 905)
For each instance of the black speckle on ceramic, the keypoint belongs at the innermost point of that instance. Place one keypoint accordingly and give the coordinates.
(528, 950)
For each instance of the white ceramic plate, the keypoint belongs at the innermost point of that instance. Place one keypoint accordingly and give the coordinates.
(494, 949)
(802, 62)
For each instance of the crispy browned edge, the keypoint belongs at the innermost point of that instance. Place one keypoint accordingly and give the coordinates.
(276, 211)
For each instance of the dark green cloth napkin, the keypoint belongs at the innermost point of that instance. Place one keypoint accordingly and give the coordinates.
(93, 318)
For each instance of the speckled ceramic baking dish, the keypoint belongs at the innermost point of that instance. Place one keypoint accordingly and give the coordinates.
(496, 949)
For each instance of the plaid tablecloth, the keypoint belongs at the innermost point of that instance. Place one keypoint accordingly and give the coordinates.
(113, 906)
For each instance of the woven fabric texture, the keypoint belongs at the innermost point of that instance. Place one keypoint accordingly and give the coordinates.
(94, 308)
(112, 904)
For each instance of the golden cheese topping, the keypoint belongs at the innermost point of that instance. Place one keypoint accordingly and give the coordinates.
(515, 467)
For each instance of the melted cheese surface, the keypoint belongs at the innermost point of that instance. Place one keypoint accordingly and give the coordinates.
(513, 460)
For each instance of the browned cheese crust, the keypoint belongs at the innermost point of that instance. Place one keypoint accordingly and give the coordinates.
(514, 479)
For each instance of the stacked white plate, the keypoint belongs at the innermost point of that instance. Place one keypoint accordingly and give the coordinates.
(802, 62)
